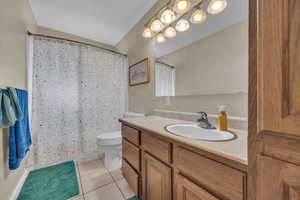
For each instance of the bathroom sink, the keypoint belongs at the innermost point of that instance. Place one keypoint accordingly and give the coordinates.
(193, 131)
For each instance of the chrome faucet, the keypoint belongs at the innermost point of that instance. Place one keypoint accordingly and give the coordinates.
(203, 121)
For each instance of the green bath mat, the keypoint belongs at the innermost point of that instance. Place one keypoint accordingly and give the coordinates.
(133, 198)
(58, 182)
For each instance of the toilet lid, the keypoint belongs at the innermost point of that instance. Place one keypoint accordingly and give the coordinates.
(112, 138)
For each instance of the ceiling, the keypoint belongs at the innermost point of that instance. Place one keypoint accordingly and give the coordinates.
(236, 11)
(105, 21)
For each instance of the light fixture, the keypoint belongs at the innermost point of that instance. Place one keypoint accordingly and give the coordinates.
(182, 6)
(170, 32)
(160, 38)
(168, 16)
(198, 16)
(216, 6)
(156, 26)
(182, 25)
(160, 27)
(147, 33)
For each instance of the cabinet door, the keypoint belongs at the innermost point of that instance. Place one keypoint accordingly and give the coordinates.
(157, 179)
(274, 99)
(279, 180)
(187, 190)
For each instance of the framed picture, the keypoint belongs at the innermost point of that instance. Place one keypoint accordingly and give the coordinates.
(139, 73)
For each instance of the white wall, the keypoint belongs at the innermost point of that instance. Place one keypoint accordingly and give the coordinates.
(15, 19)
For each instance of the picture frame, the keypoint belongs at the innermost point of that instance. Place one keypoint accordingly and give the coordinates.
(139, 73)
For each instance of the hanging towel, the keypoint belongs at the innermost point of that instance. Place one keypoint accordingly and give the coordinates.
(10, 110)
(15, 103)
(19, 134)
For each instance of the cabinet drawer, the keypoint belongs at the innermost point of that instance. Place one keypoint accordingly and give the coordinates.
(220, 179)
(157, 147)
(132, 154)
(131, 134)
(185, 189)
(131, 177)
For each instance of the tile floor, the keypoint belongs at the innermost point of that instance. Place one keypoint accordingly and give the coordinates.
(99, 183)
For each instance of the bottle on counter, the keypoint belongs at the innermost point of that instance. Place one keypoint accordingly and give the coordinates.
(223, 122)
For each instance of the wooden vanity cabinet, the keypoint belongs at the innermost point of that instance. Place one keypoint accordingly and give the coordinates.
(157, 168)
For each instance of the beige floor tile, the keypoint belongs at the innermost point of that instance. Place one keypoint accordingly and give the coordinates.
(95, 180)
(116, 174)
(125, 189)
(87, 167)
(108, 192)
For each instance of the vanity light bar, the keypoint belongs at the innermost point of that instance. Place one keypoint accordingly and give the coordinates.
(156, 27)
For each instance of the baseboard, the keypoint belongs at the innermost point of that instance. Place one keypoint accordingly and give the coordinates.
(19, 186)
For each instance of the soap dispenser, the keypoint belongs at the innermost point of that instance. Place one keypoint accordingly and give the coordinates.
(222, 118)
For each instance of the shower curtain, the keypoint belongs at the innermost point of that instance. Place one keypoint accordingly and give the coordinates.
(78, 92)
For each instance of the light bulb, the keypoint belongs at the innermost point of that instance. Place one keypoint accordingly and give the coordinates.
(181, 6)
(147, 33)
(168, 16)
(156, 26)
(216, 6)
(198, 16)
(160, 38)
(170, 32)
(182, 25)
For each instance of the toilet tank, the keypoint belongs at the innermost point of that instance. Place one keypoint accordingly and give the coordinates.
(133, 115)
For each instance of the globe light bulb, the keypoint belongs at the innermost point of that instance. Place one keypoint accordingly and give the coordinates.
(182, 6)
(156, 26)
(182, 25)
(216, 6)
(198, 16)
(147, 33)
(160, 38)
(170, 32)
(168, 16)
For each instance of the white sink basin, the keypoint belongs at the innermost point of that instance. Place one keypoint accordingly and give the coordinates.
(194, 131)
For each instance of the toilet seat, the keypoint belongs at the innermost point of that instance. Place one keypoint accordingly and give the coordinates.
(107, 139)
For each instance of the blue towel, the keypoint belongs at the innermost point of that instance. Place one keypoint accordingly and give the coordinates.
(19, 134)
(10, 110)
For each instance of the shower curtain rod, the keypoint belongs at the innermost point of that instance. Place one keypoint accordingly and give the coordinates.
(58, 38)
(165, 64)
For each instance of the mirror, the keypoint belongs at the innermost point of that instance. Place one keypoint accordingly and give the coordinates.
(209, 58)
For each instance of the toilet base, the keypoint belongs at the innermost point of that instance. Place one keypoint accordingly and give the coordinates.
(112, 156)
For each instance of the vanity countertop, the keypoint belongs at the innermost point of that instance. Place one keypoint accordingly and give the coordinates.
(235, 150)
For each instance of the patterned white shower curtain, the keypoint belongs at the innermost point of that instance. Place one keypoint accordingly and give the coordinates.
(78, 92)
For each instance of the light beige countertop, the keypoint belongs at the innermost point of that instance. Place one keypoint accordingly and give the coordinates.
(235, 150)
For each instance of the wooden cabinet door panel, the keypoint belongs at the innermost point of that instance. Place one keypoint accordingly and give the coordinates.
(279, 71)
(187, 190)
(157, 179)
(274, 100)
(281, 179)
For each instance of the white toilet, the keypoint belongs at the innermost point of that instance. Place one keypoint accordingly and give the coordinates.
(111, 144)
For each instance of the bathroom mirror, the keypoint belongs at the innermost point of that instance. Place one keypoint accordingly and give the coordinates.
(210, 58)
